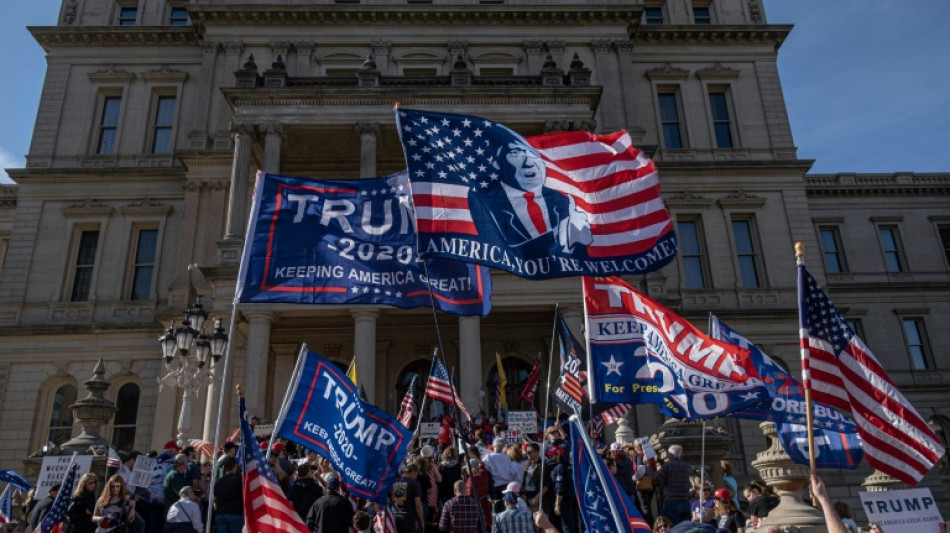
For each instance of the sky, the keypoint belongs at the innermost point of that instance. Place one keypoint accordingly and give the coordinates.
(866, 82)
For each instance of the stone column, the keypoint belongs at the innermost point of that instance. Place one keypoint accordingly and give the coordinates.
(689, 435)
(532, 50)
(368, 132)
(789, 480)
(381, 51)
(240, 170)
(255, 364)
(470, 361)
(364, 349)
(304, 52)
(214, 394)
(273, 135)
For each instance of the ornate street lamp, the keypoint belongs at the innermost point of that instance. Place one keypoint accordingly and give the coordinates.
(192, 346)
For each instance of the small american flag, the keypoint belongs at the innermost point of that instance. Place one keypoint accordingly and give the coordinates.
(266, 509)
(57, 513)
(609, 416)
(841, 371)
(408, 406)
(440, 388)
(113, 461)
(384, 521)
(6, 505)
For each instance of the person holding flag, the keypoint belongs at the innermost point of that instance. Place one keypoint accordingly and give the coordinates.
(61, 502)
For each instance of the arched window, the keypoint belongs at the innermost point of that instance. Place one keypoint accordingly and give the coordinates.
(127, 402)
(61, 416)
(516, 372)
(419, 370)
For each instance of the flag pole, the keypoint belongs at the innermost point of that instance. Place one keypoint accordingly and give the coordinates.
(425, 395)
(601, 474)
(292, 386)
(806, 369)
(547, 400)
(483, 527)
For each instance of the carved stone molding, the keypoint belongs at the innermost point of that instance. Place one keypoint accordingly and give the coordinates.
(667, 72)
(773, 35)
(624, 47)
(457, 48)
(381, 47)
(165, 74)
(602, 46)
(50, 37)
(717, 72)
(209, 47)
(741, 200)
(533, 46)
(232, 47)
(70, 12)
(367, 128)
(146, 207)
(688, 200)
(279, 48)
(87, 208)
(111, 74)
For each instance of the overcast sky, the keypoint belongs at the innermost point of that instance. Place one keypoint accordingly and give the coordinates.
(867, 82)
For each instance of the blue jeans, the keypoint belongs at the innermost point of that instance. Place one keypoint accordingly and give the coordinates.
(676, 510)
(568, 519)
(229, 523)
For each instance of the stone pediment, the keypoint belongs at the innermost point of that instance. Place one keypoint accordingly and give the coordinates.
(717, 72)
(741, 200)
(341, 57)
(494, 57)
(111, 74)
(165, 74)
(687, 200)
(667, 72)
(87, 208)
(419, 57)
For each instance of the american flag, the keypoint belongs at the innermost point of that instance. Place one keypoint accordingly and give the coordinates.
(384, 521)
(531, 384)
(440, 388)
(455, 164)
(6, 505)
(408, 406)
(113, 461)
(841, 371)
(611, 415)
(266, 509)
(57, 513)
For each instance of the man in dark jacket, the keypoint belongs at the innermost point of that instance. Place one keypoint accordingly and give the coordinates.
(229, 498)
(43, 507)
(625, 470)
(331, 513)
(305, 491)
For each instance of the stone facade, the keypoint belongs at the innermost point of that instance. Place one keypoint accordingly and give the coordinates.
(307, 88)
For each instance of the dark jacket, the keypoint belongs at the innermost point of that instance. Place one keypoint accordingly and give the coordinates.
(303, 494)
(39, 511)
(331, 513)
(451, 472)
(625, 475)
(229, 494)
(79, 513)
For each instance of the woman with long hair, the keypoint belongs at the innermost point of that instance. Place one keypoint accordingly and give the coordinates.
(115, 509)
(727, 514)
(82, 505)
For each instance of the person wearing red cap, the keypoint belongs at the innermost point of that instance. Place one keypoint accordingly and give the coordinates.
(728, 515)
(445, 433)
(562, 485)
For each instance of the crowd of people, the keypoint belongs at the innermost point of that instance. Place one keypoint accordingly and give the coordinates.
(490, 484)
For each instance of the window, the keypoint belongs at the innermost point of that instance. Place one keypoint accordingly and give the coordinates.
(178, 16)
(691, 252)
(856, 327)
(890, 245)
(123, 432)
(127, 16)
(916, 339)
(722, 125)
(653, 15)
(670, 119)
(702, 16)
(108, 125)
(61, 416)
(162, 126)
(84, 266)
(944, 232)
(831, 250)
(742, 232)
(143, 266)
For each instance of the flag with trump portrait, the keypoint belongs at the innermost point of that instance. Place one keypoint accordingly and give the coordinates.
(563, 204)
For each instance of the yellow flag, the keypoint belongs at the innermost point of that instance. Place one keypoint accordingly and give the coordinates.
(502, 382)
(351, 372)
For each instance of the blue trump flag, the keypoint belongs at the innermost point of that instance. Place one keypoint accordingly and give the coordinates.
(549, 206)
(787, 403)
(833, 449)
(604, 506)
(15, 479)
(348, 242)
(362, 442)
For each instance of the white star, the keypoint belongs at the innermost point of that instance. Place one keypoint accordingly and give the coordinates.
(430, 165)
(457, 132)
(613, 366)
(365, 290)
(467, 141)
(477, 132)
(487, 124)
(398, 295)
(407, 128)
(377, 291)
(442, 174)
(389, 293)
(470, 159)
(420, 173)
(750, 396)
(466, 122)
(479, 151)
(356, 289)
(426, 149)
(423, 120)
(445, 122)
(493, 176)
(416, 157)
(412, 142)
(484, 184)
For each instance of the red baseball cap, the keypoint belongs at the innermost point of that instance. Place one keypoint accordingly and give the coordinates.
(277, 447)
(263, 445)
(171, 444)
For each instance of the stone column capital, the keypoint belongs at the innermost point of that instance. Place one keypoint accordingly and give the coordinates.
(259, 317)
(381, 47)
(361, 315)
(274, 129)
(367, 128)
(239, 129)
(532, 46)
(233, 47)
(624, 47)
(601, 46)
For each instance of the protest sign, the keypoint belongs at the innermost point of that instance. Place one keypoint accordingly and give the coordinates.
(523, 421)
(429, 430)
(54, 469)
(264, 430)
(141, 472)
(902, 511)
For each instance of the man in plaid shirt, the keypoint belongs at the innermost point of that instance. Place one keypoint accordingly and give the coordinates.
(512, 519)
(460, 514)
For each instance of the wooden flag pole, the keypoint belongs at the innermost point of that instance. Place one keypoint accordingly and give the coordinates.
(806, 368)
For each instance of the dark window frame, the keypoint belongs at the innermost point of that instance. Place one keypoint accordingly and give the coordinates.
(745, 258)
(837, 253)
(697, 257)
(668, 100)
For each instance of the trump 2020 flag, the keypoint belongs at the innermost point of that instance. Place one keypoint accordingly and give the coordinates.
(833, 449)
(564, 204)
(362, 442)
(641, 352)
(14, 478)
(604, 506)
(348, 242)
(841, 371)
(787, 404)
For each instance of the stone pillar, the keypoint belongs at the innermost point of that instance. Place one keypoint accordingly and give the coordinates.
(364, 349)
(304, 51)
(533, 49)
(255, 365)
(92, 413)
(273, 134)
(470, 361)
(214, 394)
(689, 435)
(240, 170)
(368, 132)
(381, 51)
(789, 480)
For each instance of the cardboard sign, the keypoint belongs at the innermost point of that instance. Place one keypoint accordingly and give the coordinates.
(141, 472)
(648, 451)
(429, 430)
(523, 421)
(264, 430)
(53, 471)
(902, 511)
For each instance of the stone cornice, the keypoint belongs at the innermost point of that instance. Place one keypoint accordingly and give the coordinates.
(50, 37)
(897, 184)
(259, 15)
(8, 195)
(103, 176)
(672, 35)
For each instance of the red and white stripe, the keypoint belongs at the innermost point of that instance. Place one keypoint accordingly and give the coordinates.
(266, 509)
(407, 408)
(442, 208)
(615, 413)
(613, 183)
(531, 384)
(384, 522)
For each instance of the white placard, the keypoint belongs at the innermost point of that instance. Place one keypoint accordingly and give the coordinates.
(141, 475)
(264, 430)
(902, 511)
(523, 421)
(429, 430)
(648, 451)
(53, 471)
